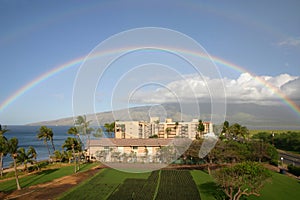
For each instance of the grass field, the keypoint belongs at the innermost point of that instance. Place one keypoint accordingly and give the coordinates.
(171, 184)
(281, 187)
(113, 185)
(165, 184)
(102, 185)
(42, 177)
(207, 187)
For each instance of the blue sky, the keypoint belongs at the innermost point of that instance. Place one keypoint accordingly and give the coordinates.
(263, 37)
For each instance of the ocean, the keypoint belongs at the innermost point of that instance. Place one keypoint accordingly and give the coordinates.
(27, 136)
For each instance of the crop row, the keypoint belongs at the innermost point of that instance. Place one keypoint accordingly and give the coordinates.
(148, 191)
(177, 184)
(128, 190)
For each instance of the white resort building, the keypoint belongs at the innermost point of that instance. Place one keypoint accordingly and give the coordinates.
(141, 141)
(167, 129)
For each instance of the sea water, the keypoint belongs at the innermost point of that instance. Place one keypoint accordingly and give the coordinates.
(27, 136)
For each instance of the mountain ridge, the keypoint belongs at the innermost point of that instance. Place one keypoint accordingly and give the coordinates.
(249, 114)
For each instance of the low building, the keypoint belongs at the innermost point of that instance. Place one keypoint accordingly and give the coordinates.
(128, 150)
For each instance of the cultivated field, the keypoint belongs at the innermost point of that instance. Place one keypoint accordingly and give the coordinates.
(171, 184)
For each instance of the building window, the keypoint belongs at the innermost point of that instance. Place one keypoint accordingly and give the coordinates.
(134, 147)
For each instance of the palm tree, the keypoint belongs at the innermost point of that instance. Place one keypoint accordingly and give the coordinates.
(58, 155)
(24, 157)
(75, 132)
(46, 134)
(13, 151)
(110, 128)
(176, 127)
(83, 127)
(72, 145)
(98, 133)
(3, 147)
(168, 131)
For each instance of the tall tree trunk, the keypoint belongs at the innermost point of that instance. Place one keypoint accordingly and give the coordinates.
(52, 145)
(1, 164)
(16, 174)
(74, 156)
(47, 148)
(89, 141)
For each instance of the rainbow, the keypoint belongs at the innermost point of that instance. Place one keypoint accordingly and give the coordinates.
(77, 61)
(38, 80)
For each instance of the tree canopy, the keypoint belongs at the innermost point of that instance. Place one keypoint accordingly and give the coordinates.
(245, 178)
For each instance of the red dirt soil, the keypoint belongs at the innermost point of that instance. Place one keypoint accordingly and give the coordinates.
(53, 189)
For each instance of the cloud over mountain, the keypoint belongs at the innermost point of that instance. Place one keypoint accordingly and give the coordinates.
(245, 89)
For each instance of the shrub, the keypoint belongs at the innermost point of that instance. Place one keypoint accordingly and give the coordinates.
(294, 170)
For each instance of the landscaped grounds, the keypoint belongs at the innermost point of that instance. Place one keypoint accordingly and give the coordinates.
(42, 177)
(166, 184)
(171, 184)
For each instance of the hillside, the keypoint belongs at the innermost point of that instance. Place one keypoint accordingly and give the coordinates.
(251, 115)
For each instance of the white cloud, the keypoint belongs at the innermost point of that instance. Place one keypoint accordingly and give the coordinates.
(292, 88)
(292, 41)
(246, 88)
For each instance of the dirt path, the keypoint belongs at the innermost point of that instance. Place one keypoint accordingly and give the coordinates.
(53, 189)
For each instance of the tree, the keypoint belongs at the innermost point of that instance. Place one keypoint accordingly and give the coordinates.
(84, 128)
(3, 147)
(168, 130)
(98, 133)
(109, 127)
(238, 132)
(245, 178)
(225, 130)
(176, 127)
(13, 151)
(200, 128)
(46, 134)
(72, 145)
(24, 157)
(58, 156)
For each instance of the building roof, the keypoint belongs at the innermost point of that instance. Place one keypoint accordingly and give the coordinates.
(150, 142)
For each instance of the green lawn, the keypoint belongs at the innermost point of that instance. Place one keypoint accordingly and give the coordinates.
(207, 187)
(102, 185)
(281, 187)
(42, 177)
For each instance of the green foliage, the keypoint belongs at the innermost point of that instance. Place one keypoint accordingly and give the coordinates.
(110, 127)
(46, 134)
(98, 133)
(242, 179)
(289, 141)
(3, 150)
(72, 144)
(73, 131)
(294, 170)
(25, 157)
(200, 127)
(235, 132)
(233, 151)
(153, 136)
